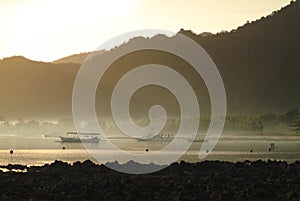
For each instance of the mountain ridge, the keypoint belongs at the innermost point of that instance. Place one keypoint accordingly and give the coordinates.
(259, 63)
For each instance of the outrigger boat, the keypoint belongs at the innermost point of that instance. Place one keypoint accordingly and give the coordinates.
(159, 137)
(80, 137)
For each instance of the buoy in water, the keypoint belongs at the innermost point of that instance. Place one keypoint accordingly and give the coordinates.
(272, 147)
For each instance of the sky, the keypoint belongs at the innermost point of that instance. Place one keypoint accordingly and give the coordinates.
(51, 29)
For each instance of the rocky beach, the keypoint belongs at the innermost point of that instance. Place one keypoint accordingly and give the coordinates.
(208, 180)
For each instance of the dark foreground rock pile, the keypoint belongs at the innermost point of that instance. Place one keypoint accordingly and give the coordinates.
(210, 180)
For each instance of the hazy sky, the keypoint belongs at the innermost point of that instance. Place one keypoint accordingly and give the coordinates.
(49, 29)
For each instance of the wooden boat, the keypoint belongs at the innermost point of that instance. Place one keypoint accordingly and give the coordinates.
(80, 137)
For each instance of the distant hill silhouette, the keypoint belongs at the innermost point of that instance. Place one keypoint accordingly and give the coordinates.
(32, 89)
(76, 59)
(259, 63)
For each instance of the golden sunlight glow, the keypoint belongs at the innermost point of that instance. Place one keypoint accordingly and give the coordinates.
(36, 29)
(50, 29)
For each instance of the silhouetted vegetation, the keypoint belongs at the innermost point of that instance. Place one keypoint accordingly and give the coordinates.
(34, 127)
(267, 123)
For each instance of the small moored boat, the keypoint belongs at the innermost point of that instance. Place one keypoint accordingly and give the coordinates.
(160, 137)
(80, 137)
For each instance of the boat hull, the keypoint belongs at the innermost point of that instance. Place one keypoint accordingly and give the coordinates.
(78, 140)
(155, 140)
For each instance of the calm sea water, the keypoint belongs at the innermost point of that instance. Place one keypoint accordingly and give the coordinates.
(36, 150)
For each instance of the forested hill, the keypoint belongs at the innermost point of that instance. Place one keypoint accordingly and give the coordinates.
(259, 63)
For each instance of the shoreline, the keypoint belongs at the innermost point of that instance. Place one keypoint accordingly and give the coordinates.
(207, 180)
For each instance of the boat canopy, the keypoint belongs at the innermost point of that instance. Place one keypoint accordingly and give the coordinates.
(76, 133)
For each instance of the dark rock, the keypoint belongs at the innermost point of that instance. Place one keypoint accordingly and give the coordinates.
(209, 180)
